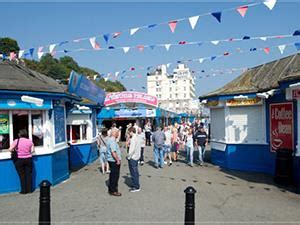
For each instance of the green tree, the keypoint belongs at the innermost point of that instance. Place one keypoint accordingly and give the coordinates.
(8, 45)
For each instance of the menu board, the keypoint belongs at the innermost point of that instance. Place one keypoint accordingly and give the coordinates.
(59, 124)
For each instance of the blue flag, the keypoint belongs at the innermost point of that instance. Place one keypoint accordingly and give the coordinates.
(296, 33)
(297, 45)
(31, 52)
(106, 37)
(217, 15)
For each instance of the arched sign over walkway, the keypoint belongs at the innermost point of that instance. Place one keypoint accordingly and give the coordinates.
(130, 97)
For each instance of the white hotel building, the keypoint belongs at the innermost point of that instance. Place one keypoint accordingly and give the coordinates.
(176, 91)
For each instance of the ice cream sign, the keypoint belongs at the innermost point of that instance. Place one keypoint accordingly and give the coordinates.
(281, 126)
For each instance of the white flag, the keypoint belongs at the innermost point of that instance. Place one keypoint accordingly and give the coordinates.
(105, 78)
(193, 21)
(126, 49)
(95, 76)
(281, 48)
(40, 54)
(270, 3)
(21, 52)
(201, 60)
(168, 65)
(263, 38)
(51, 48)
(167, 46)
(94, 44)
(133, 30)
(117, 73)
(215, 42)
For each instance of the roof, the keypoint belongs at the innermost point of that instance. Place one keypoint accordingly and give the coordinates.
(261, 78)
(16, 77)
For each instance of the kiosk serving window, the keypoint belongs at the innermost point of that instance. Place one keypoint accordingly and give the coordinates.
(12, 121)
(77, 133)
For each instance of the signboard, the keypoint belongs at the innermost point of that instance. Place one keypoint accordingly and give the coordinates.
(128, 96)
(296, 93)
(281, 126)
(59, 124)
(244, 102)
(123, 113)
(81, 86)
(4, 125)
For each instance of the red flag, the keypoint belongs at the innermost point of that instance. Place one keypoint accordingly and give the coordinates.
(267, 50)
(140, 47)
(226, 53)
(182, 42)
(132, 68)
(242, 10)
(172, 25)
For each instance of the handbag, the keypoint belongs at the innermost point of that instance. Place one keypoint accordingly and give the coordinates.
(14, 153)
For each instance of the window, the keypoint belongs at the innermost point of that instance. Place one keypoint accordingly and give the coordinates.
(184, 88)
(170, 89)
(37, 128)
(217, 124)
(184, 95)
(77, 133)
(170, 95)
(4, 130)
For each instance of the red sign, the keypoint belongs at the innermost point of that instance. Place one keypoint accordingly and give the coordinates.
(296, 94)
(281, 126)
(129, 96)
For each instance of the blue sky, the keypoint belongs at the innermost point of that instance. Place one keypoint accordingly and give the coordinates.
(38, 24)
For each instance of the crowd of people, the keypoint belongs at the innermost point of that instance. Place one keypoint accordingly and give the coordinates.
(168, 141)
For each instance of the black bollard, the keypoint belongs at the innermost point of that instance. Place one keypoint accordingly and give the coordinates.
(189, 217)
(44, 214)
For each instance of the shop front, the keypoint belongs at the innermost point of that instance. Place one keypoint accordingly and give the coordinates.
(82, 122)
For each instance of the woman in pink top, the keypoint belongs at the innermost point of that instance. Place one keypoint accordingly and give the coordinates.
(24, 162)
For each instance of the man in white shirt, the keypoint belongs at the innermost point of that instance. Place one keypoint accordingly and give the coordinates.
(133, 157)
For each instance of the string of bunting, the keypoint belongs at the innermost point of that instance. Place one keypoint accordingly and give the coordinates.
(267, 50)
(193, 20)
(167, 46)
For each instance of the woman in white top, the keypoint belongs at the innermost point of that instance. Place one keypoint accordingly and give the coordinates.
(190, 146)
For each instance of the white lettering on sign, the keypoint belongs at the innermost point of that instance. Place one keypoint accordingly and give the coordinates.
(284, 128)
(282, 114)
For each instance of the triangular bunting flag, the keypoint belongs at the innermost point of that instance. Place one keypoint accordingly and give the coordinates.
(31, 52)
(213, 58)
(226, 53)
(105, 78)
(63, 42)
(111, 47)
(172, 25)
(246, 38)
(168, 65)
(182, 42)
(296, 33)
(40, 52)
(94, 44)
(106, 37)
(167, 46)
(201, 60)
(217, 15)
(116, 34)
(263, 38)
(140, 47)
(152, 25)
(116, 74)
(242, 10)
(270, 3)
(252, 49)
(215, 42)
(51, 48)
(267, 50)
(193, 21)
(199, 44)
(152, 46)
(281, 48)
(66, 51)
(133, 30)
(21, 52)
(132, 68)
(126, 49)
(297, 45)
(95, 76)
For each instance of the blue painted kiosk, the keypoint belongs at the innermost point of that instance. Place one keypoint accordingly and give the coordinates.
(81, 121)
(255, 116)
(37, 103)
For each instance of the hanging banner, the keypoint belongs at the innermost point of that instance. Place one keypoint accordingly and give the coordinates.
(281, 126)
(4, 125)
(128, 96)
(81, 86)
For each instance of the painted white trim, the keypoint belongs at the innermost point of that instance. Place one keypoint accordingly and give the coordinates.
(239, 143)
(83, 142)
(218, 146)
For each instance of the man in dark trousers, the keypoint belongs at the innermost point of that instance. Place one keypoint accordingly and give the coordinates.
(114, 160)
(201, 140)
